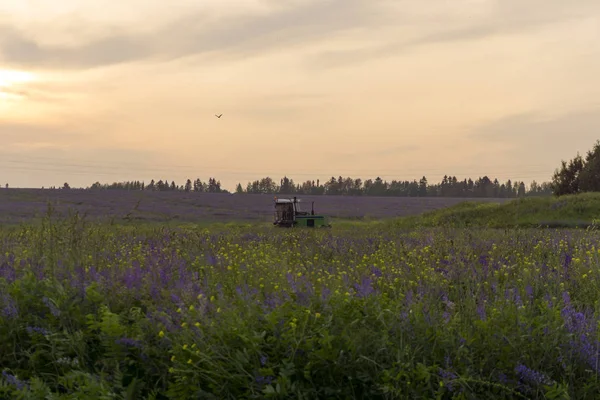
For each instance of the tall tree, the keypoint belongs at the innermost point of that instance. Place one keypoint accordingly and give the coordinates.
(589, 178)
(566, 179)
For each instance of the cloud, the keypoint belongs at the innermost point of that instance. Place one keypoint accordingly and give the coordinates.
(294, 23)
(493, 18)
(15, 134)
(535, 138)
(31, 93)
(528, 126)
(513, 17)
(18, 49)
(68, 152)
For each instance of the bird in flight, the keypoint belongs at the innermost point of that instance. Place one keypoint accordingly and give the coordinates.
(218, 116)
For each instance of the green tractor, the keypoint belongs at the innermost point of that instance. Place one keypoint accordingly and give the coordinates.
(288, 214)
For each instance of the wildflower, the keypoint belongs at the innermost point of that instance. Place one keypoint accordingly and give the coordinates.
(532, 376)
(197, 324)
(128, 342)
(13, 380)
(161, 334)
(34, 329)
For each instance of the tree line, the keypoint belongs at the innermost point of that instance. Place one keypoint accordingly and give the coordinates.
(197, 185)
(450, 186)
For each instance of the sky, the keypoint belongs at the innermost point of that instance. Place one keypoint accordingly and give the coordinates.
(105, 91)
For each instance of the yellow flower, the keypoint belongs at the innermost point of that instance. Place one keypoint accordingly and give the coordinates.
(317, 315)
(191, 308)
(172, 358)
(184, 325)
(161, 334)
(197, 324)
(190, 361)
(185, 346)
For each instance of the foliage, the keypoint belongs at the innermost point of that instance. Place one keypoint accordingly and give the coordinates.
(579, 175)
(365, 311)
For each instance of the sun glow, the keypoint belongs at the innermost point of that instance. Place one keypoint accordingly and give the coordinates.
(10, 77)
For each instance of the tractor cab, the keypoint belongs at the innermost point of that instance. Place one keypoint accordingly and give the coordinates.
(288, 213)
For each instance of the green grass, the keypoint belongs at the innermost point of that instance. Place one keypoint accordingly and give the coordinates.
(574, 211)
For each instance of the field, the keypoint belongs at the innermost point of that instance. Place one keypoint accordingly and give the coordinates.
(17, 205)
(421, 307)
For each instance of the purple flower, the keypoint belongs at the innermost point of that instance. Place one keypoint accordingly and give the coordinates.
(364, 289)
(128, 342)
(9, 309)
(529, 291)
(50, 304)
(264, 380)
(13, 380)
(34, 329)
(448, 376)
(376, 271)
(566, 298)
(446, 317)
(531, 376)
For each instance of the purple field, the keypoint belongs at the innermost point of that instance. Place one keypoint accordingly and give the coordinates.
(17, 205)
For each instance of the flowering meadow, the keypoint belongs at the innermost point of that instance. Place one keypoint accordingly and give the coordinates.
(363, 311)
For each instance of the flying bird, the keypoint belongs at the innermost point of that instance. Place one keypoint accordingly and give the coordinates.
(218, 116)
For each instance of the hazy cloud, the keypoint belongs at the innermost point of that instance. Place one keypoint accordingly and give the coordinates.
(528, 126)
(14, 134)
(502, 17)
(539, 139)
(31, 93)
(295, 23)
(512, 17)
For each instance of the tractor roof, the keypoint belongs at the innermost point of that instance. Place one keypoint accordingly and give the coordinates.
(287, 200)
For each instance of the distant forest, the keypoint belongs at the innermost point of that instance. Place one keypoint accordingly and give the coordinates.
(450, 186)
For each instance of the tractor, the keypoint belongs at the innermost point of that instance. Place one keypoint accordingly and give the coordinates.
(288, 214)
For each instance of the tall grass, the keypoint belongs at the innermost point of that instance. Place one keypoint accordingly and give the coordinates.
(573, 211)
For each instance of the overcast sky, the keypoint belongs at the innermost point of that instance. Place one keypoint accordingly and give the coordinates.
(105, 91)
